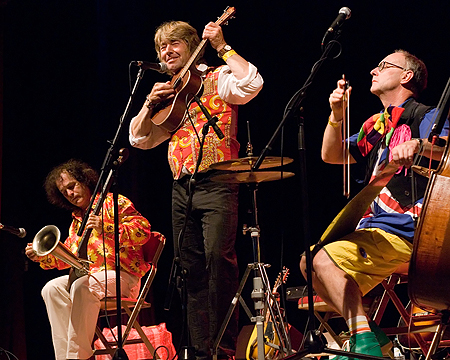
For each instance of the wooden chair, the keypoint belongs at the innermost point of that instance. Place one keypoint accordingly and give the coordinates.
(422, 327)
(324, 313)
(152, 250)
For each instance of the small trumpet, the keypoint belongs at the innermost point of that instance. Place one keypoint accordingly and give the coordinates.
(47, 241)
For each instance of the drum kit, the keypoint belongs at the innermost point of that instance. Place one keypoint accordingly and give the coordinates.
(240, 171)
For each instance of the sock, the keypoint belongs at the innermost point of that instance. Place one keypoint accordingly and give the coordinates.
(358, 324)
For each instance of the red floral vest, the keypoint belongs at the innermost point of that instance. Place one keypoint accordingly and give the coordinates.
(184, 145)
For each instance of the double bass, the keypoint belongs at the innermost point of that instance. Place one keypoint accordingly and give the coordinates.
(429, 270)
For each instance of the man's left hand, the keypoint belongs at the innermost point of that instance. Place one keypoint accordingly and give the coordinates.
(95, 222)
(213, 33)
(403, 154)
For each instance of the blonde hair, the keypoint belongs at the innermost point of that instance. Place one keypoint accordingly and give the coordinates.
(177, 30)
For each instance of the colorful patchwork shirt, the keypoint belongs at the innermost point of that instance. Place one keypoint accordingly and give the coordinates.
(386, 212)
(134, 231)
(222, 93)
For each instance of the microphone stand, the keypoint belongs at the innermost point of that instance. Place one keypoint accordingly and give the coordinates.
(442, 116)
(108, 164)
(313, 343)
(177, 270)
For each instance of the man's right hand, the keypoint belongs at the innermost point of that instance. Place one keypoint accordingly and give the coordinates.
(160, 92)
(332, 144)
(336, 100)
(30, 253)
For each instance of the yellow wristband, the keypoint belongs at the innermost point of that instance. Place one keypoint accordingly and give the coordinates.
(334, 124)
(228, 54)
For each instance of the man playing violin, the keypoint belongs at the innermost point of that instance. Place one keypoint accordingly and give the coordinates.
(207, 248)
(345, 270)
(73, 313)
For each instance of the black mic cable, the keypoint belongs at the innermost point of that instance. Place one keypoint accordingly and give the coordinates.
(211, 120)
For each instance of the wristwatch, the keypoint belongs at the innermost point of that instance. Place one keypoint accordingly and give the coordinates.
(224, 50)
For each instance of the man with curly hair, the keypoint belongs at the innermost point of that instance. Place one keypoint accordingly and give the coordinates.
(73, 311)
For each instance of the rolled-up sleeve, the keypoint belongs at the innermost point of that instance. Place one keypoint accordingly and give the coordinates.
(152, 139)
(239, 91)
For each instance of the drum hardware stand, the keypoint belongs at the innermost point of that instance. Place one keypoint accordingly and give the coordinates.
(260, 296)
(261, 293)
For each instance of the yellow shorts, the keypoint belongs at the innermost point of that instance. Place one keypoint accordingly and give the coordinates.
(369, 255)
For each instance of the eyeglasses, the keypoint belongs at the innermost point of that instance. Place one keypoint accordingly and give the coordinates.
(386, 65)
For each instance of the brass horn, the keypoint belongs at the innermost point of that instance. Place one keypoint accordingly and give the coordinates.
(47, 241)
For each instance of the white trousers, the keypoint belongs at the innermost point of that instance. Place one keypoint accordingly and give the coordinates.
(73, 316)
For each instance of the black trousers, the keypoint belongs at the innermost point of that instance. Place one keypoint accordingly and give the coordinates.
(208, 255)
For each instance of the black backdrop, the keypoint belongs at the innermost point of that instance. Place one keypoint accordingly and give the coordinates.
(66, 84)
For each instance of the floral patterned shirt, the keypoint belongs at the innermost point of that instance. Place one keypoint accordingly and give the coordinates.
(134, 231)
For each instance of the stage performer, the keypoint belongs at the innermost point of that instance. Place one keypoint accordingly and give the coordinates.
(207, 250)
(73, 312)
(345, 270)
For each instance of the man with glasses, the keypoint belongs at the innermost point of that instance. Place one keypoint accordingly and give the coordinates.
(347, 269)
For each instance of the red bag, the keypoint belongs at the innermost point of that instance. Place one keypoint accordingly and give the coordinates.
(158, 336)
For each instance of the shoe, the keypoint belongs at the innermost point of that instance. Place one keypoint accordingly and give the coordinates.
(383, 340)
(363, 343)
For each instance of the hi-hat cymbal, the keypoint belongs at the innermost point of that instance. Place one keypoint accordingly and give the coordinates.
(251, 177)
(247, 163)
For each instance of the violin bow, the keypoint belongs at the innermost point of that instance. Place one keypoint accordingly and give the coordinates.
(346, 136)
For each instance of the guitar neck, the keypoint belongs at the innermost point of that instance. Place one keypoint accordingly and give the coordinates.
(281, 279)
(193, 57)
(223, 19)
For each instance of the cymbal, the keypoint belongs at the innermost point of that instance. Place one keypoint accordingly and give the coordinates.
(247, 163)
(251, 177)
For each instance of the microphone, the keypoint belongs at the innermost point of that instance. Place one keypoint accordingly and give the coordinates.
(145, 65)
(344, 14)
(20, 232)
(211, 120)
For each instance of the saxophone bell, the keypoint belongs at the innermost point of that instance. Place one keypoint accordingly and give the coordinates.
(47, 241)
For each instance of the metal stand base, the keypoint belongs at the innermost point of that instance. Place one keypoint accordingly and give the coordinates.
(260, 297)
(187, 353)
(120, 354)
